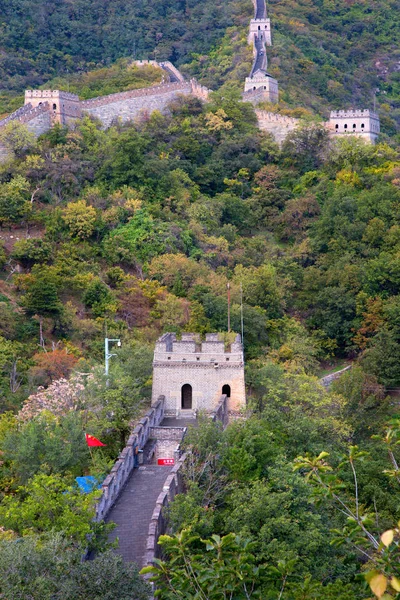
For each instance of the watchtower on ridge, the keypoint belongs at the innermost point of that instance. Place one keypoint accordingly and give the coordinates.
(64, 107)
(193, 375)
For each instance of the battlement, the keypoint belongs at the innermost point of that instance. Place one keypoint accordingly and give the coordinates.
(269, 117)
(360, 122)
(345, 114)
(156, 90)
(190, 349)
(49, 94)
(260, 88)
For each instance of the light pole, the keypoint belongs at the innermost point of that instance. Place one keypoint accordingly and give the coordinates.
(107, 354)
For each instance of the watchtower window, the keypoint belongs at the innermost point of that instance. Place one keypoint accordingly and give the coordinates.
(54, 106)
(186, 396)
(362, 125)
(259, 28)
(226, 389)
(265, 87)
(354, 125)
(345, 125)
(336, 126)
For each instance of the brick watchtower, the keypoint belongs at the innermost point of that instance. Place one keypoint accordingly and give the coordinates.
(63, 106)
(193, 375)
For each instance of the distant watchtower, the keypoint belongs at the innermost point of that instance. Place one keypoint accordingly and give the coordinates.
(361, 123)
(193, 375)
(63, 106)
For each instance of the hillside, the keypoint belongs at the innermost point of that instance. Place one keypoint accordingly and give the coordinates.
(325, 54)
(139, 229)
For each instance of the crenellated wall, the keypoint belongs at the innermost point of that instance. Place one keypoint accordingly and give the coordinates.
(202, 369)
(115, 481)
(275, 124)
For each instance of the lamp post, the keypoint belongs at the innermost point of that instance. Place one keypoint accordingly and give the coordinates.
(107, 354)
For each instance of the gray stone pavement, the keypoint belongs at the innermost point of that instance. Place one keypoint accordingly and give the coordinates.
(133, 510)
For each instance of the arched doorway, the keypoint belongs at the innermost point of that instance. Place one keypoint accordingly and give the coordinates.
(226, 389)
(186, 396)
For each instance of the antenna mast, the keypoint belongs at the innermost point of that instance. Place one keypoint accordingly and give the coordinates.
(228, 285)
(241, 312)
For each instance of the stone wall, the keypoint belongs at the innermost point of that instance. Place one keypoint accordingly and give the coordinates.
(221, 412)
(158, 524)
(115, 481)
(129, 105)
(168, 441)
(328, 379)
(275, 124)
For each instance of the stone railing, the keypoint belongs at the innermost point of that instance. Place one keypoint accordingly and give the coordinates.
(159, 523)
(34, 112)
(270, 117)
(221, 413)
(115, 481)
(200, 91)
(19, 114)
(328, 379)
(168, 66)
(155, 90)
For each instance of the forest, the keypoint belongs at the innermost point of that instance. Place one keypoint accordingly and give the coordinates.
(325, 55)
(137, 230)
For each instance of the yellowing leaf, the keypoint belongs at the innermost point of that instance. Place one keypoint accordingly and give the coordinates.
(378, 585)
(395, 583)
(387, 537)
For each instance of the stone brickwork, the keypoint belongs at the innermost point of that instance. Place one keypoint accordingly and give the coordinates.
(199, 369)
(159, 523)
(123, 467)
(63, 107)
(275, 124)
(168, 440)
(329, 379)
(362, 123)
(127, 106)
(259, 79)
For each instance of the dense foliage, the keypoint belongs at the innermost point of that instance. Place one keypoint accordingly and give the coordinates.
(330, 54)
(137, 230)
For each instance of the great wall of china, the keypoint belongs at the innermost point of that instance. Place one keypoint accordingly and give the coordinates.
(43, 108)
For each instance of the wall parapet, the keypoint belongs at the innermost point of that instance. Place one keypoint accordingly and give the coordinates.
(157, 90)
(221, 412)
(276, 118)
(26, 113)
(158, 524)
(329, 379)
(362, 112)
(115, 481)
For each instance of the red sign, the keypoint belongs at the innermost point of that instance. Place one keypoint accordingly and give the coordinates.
(166, 461)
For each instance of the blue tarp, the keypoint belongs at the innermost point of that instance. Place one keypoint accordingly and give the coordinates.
(87, 484)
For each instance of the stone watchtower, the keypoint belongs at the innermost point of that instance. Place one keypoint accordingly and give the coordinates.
(362, 123)
(194, 375)
(63, 106)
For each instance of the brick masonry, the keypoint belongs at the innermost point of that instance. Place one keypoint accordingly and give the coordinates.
(206, 367)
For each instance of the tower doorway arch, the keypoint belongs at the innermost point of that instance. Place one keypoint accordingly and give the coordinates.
(186, 396)
(226, 389)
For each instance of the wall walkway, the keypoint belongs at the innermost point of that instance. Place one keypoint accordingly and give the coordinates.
(135, 498)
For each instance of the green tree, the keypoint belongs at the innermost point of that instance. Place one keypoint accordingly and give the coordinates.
(80, 219)
(47, 503)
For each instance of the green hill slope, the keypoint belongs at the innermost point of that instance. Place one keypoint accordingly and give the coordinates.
(326, 53)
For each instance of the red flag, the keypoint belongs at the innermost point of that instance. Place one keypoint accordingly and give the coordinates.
(92, 441)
